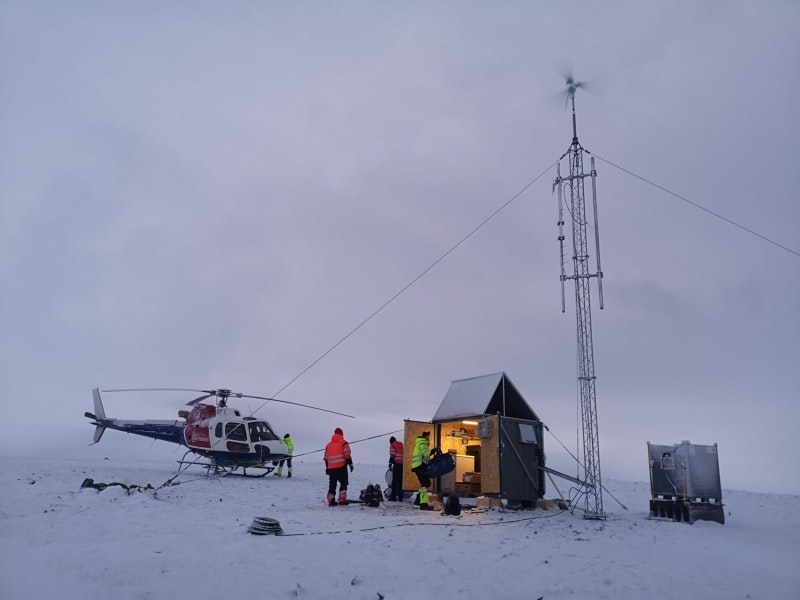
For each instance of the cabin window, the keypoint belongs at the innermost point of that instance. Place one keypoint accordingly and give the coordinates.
(218, 430)
(235, 431)
(527, 433)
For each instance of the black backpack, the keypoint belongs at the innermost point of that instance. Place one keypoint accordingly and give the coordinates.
(452, 506)
(372, 495)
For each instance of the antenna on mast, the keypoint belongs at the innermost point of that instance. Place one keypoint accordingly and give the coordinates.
(571, 193)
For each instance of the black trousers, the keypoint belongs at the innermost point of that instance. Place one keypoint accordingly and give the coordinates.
(422, 474)
(397, 481)
(337, 476)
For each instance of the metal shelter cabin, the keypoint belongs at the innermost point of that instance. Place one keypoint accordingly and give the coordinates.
(495, 437)
(685, 483)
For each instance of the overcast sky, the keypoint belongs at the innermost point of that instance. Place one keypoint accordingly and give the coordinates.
(207, 194)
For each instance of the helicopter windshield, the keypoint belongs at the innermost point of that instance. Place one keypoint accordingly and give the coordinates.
(260, 431)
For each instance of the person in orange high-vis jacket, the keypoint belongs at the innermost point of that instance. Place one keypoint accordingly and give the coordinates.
(396, 465)
(337, 460)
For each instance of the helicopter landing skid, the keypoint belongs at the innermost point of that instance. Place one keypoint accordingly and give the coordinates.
(215, 469)
(235, 471)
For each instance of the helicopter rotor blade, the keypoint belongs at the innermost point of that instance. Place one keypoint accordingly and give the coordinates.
(206, 393)
(200, 399)
(159, 390)
(224, 394)
(298, 404)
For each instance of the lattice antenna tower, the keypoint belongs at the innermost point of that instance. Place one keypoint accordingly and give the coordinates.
(571, 195)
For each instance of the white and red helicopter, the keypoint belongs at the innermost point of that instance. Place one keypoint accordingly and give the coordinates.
(223, 440)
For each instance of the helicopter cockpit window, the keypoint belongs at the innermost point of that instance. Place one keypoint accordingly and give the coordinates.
(235, 431)
(218, 430)
(260, 432)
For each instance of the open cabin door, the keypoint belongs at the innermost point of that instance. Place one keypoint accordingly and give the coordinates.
(414, 429)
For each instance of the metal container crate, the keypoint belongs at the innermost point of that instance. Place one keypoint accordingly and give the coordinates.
(685, 483)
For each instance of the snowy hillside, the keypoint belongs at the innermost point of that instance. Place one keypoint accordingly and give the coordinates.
(191, 541)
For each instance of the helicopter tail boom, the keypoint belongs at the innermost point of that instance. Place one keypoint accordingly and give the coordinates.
(168, 431)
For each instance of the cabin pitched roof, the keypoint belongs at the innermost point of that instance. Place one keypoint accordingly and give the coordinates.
(484, 395)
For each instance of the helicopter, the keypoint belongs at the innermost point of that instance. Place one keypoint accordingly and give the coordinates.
(224, 441)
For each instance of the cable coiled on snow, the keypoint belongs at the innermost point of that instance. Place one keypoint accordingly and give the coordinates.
(265, 526)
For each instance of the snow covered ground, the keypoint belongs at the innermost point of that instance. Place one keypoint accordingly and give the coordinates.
(191, 541)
